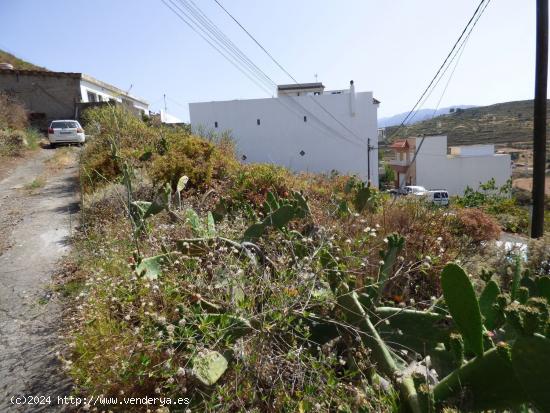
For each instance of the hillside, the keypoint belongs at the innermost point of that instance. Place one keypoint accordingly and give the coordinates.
(422, 114)
(17, 63)
(502, 123)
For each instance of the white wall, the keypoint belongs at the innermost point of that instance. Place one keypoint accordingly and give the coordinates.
(282, 132)
(107, 94)
(437, 170)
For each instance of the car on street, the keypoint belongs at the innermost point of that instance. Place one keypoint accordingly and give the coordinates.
(66, 131)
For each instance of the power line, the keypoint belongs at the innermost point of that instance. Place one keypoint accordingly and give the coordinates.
(206, 39)
(459, 53)
(286, 71)
(460, 50)
(212, 34)
(440, 68)
(255, 41)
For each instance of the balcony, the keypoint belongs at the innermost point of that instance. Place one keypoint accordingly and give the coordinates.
(398, 165)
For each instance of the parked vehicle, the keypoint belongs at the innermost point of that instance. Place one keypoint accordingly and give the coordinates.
(66, 131)
(413, 190)
(438, 197)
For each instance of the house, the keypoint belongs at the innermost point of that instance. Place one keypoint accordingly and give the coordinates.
(453, 169)
(61, 95)
(305, 128)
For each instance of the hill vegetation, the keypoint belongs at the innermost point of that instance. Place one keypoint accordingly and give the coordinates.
(245, 287)
(502, 123)
(17, 63)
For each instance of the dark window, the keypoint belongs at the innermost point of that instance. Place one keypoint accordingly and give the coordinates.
(99, 98)
(437, 195)
(257, 121)
(305, 118)
(316, 93)
(92, 97)
(215, 124)
(63, 125)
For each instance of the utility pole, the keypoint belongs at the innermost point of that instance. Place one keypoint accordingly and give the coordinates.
(539, 127)
(369, 148)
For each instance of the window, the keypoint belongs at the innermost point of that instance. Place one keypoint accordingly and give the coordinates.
(305, 118)
(64, 125)
(257, 121)
(92, 97)
(437, 195)
(99, 98)
(215, 124)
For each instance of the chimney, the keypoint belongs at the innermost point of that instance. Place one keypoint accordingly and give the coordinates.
(352, 98)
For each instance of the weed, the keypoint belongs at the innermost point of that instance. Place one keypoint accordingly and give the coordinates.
(36, 183)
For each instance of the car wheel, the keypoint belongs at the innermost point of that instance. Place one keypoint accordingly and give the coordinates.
(52, 145)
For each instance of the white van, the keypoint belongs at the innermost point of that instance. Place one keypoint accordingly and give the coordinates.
(438, 197)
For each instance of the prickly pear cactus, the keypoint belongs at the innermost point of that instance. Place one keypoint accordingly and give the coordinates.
(487, 301)
(531, 361)
(463, 305)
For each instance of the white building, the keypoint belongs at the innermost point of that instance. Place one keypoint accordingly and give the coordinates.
(93, 90)
(436, 167)
(304, 128)
(61, 95)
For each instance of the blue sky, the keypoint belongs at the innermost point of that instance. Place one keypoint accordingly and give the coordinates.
(391, 47)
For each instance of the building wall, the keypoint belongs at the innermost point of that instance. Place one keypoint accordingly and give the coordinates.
(55, 96)
(282, 133)
(105, 94)
(437, 170)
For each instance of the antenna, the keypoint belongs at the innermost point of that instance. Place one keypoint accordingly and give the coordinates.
(130, 88)
(165, 108)
(315, 77)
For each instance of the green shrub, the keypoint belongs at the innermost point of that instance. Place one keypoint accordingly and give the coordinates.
(252, 182)
(185, 155)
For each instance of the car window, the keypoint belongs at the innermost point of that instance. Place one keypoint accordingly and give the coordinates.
(64, 125)
(445, 195)
(437, 195)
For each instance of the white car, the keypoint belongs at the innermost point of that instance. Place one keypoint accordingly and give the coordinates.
(66, 131)
(413, 190)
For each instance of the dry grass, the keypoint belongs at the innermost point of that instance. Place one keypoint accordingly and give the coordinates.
(62, 158)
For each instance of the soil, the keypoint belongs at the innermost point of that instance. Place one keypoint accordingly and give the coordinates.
(35, 229)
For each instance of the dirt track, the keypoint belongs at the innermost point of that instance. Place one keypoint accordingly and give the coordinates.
(35, 227)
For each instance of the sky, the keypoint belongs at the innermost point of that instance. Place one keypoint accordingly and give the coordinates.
(390, 47)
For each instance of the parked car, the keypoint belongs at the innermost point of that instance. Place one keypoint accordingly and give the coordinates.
(438, 197)
(66, 131)
(413, 190)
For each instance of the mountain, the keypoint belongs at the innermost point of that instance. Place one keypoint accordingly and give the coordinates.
(421, 115)
(504, 123)
(17, 63)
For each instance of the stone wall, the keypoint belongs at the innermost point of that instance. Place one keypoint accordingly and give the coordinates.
(46, 95)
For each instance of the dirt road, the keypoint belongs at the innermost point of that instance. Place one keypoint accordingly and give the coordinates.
(38, 203)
